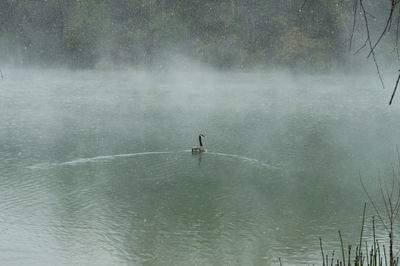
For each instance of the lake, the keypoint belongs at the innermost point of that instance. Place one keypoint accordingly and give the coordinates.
(96, 167)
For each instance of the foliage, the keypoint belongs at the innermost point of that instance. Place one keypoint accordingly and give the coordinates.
(226, 33)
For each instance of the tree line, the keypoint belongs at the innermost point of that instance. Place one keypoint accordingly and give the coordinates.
(225, 33)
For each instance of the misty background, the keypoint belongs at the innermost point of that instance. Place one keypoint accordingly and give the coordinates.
(101, 102)
(309, 35)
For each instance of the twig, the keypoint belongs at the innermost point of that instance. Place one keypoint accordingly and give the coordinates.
(397, 253)
(384, 252)
(362, 229)
(354, 23)
(341, 244)
(373, 204)
(395, 88)
(365, 44)
(374, 235)
(379, 252)
(383, 194)
(397, 205)
(322, 252)
(386, 27)
(369, 14)
(370, 43)
(349, 260)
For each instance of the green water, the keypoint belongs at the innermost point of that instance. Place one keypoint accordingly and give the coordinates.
(96, 168)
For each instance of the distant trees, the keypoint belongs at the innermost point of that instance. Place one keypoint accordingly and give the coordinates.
(226, 33)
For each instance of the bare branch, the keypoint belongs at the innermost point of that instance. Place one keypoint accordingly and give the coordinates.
(386, 26)
(383, 195)
(354, 23)
(370, 43)
(373, 203)
(363, 46)
(395, 88)
(369, 14)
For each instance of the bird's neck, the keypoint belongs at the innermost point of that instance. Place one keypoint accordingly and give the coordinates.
(201, 143)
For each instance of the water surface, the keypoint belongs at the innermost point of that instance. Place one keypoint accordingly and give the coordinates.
(96, 168)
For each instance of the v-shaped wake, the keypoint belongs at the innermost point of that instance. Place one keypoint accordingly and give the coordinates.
(107, 158)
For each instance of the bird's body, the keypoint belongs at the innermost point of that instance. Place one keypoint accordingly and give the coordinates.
(200, 148)
(197, 149)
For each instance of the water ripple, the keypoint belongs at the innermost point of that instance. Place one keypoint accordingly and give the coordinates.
(243, 158)
(103, 158)
(107, 158)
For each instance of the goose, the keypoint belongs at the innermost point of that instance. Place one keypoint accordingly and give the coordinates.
(200, 148)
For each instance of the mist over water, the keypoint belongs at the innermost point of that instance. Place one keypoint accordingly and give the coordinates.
(96, 166)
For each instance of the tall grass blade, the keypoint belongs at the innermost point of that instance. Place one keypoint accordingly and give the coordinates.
(341, 244)
(362, 229)
(322, 252)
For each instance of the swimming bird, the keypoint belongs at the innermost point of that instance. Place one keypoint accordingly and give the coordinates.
(200, 148)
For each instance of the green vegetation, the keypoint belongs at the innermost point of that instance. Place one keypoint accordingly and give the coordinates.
(226, 34)
(311, 34)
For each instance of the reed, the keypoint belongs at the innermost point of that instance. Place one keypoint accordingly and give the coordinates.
(375, 255)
